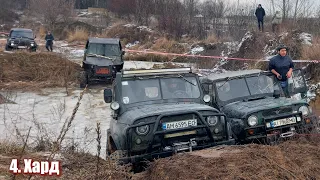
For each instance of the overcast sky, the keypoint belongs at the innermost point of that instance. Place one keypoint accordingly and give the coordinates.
(266, 3)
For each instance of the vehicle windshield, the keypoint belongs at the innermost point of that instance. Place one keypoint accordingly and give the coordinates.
(19, 34)
(246, 87)
(104, 49)
(140, 90)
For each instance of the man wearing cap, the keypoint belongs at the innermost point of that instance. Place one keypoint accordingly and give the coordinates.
(260, 13)
(282, 66)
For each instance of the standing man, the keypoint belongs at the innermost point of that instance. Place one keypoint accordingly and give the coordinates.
(49, 41)
(276, 21)
(260, 13)
(282, 66)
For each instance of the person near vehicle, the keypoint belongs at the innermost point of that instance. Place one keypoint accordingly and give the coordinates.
(49, 41)
(282, 66)
(260, 13)
(276, 21)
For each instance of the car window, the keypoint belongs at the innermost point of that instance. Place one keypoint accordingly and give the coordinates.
(103, 49)
(159, 88)
(140, 90)
(232, 89)
(19, 34)
(261, 84)
(180, 88)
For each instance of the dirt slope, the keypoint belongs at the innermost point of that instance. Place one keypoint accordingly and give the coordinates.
(24, 70)
(290, 160)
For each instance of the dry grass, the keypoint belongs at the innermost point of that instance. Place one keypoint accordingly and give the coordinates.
(42, 32)
(166, 45)
(212, 38)
(243, 162)
(9, 148)
(23, 70)
(147, 57)
(130, 34)
(79, 34)
(83, 166)
(311, 52)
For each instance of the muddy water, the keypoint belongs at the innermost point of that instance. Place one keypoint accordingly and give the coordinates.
(46, 113)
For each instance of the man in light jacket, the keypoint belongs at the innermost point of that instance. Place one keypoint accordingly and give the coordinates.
(276, 21)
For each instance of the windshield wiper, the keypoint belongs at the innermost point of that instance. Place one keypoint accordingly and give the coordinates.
(186, 80)
(96, 55)
(228, 78)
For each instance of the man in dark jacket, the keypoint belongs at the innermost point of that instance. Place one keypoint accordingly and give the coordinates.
(260, 13)
(49, 41)
(282, 66)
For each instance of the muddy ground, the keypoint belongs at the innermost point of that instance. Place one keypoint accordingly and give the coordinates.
(297, 159)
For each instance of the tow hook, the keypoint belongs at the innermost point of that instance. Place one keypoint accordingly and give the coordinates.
(287, 134)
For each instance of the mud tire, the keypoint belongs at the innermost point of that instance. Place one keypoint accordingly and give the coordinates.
(83, 77)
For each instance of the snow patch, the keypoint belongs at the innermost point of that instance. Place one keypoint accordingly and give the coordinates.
(232, 47)
(306, 38)
(247, 36)
(129, 45)
(129, 25)
(77, 52)
(196, 50)
(144, 28)
(148, 65)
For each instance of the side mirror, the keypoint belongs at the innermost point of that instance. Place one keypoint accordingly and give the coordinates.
(35, 36)
(123, 52)
(107, 95)
(276, 94)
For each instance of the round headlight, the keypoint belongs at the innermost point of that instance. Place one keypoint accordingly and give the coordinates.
(32, 44)
(212, 120)
(114, 106)
(142, 130)
(252, 120)
(304, 110)
(206, 98)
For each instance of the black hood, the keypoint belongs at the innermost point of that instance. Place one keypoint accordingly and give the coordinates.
(100, 61)
(241, 109)
(154, 110)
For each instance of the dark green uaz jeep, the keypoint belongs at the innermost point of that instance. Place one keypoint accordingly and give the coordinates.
(254, 106)
(157, 113)
(103, 58)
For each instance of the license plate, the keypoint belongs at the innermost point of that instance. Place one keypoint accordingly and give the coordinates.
(282, 122)
(102, 71)
(179, 124)
(22, 47)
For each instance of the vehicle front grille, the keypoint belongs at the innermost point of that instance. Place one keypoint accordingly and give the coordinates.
(277, 111)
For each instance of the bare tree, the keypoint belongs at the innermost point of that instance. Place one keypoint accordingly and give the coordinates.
(293, 8)
(123, 8)
(53, 11)
(144, 10)
(171, 16)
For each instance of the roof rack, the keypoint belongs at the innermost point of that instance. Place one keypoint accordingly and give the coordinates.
(149, 72)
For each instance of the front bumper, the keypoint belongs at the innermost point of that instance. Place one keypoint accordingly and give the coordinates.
(27, 47)
(298, 128)
(151, 153)
(150, 156)
(100, 72)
